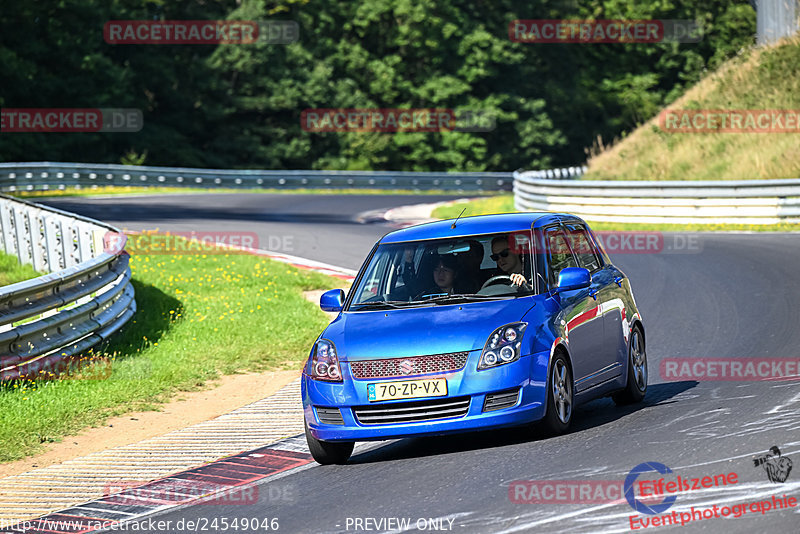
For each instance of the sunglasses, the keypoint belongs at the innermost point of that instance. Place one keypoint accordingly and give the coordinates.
(503, 254)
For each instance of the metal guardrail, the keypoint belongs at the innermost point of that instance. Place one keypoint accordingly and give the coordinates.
(85, 297)
(775, 19)
(568, 173)
(46, 175)
(679, 202)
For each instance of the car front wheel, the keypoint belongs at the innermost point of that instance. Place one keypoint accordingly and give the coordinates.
(329, 452)
(559, 397)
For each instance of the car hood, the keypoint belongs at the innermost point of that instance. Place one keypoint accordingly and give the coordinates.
(405, 332)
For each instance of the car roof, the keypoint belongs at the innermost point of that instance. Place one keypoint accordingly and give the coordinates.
(477, 225)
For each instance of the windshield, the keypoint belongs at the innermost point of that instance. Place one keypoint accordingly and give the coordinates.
(447, 271)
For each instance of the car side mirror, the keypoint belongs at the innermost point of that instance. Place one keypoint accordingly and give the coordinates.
(332, 301)
(571, 278)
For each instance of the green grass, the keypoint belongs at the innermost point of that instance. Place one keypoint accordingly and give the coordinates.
(199, 317)
(483, 206)
(505, 204)
(12, 272)
(128, 190)
(764, 78)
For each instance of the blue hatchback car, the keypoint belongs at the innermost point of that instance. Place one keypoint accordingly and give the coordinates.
(478, 323)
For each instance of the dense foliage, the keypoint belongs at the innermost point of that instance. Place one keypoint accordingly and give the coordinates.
(239, 106)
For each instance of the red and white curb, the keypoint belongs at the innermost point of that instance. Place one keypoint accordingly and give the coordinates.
(294, 261)
(309, 265)
(230, 479)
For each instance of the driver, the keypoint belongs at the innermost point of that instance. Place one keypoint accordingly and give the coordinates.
(508, 262)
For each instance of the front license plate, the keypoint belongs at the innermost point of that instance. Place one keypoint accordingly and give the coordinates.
(407, 389)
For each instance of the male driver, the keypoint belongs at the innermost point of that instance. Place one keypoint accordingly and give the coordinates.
(507, 261)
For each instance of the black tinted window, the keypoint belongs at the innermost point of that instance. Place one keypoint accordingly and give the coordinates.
(584, 249)
(559, 255)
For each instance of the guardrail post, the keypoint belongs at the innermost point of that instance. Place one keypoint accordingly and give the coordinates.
(36, 228)
(55, 252)
(85, 242)
(24, 252)
(69, 245)
(9, 243)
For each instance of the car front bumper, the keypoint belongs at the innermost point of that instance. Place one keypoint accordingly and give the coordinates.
(528, 374)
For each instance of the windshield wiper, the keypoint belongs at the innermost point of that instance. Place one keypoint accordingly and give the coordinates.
(380, 303)
(467, 297)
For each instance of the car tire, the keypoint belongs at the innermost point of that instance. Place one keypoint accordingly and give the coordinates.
(636, 386)
(329, 452)
(560, 397)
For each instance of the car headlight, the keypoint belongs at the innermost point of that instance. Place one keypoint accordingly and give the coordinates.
(503, 346)
(325, 362)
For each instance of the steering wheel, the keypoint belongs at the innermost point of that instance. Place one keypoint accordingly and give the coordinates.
(499, 279)
(496, 280)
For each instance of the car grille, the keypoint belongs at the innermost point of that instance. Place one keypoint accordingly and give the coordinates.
(415, 365)
(498, 401)
(412, 412)
(329, 416)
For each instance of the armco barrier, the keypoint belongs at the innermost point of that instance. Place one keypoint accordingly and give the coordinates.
(85, 297)
(46, 175)
(679, 202)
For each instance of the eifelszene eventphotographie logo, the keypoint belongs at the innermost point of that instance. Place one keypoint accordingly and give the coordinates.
(777, 467)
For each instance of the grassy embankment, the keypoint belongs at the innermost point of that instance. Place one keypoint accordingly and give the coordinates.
(764, 78)
(760, 79)
(200, 316)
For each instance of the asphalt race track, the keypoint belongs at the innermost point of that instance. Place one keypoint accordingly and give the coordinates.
(318, 227)
(730, 296)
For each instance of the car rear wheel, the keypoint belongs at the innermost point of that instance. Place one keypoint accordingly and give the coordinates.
(329, 452)
(559, 397)
(636, 387)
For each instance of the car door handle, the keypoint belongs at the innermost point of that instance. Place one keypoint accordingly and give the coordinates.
(593, 293)
(618, 280)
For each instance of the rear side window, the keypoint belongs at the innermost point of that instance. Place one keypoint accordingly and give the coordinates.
(584, 249)
(559, 255)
